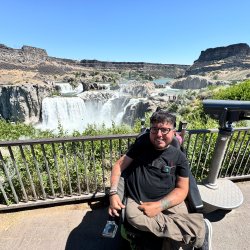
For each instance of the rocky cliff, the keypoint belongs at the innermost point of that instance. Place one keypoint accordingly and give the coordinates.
(27, 76)
(30, 64)
(163, 70)
(33, 65)
(226, 63)
(236, 51)
(22, 103)
(195, 82)
(27, 55)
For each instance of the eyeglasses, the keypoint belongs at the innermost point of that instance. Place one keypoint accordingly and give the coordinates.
(164, 131)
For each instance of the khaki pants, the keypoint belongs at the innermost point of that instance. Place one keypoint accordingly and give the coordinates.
(175, 224)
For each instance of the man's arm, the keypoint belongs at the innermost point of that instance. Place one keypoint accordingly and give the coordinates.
(174, 198)
(114, 200)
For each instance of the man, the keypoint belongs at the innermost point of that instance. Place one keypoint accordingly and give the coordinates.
(157, 183)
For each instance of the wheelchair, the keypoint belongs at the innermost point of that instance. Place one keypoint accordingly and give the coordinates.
(139, 240)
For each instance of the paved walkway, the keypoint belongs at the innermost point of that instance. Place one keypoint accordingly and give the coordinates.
(79, 227)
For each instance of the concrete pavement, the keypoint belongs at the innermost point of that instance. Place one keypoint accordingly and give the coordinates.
(79, 227)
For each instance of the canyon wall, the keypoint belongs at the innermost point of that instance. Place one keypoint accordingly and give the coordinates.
(22, 103)
(233, 58)
(21, 96)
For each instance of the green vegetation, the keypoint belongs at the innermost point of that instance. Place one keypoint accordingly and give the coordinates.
(74, 167)
(84, 167)
(239, 91)
(198, 119)
(192, 111)
(17, 131)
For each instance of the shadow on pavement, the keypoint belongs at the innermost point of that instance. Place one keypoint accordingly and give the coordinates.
(87, 235)
(217, 215)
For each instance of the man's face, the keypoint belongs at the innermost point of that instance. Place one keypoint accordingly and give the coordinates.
(161, 135)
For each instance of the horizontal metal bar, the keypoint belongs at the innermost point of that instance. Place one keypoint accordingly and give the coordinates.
(239, 177)
(202, 131)
(96, 138)
(52, 201)
(66, 139)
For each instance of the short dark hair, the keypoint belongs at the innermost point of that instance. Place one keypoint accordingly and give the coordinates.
(162, 116)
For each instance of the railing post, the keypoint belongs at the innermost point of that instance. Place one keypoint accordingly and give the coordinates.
(142, 125)
(182, 129)
(220, 193)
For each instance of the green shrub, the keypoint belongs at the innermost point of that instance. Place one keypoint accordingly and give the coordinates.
(240, 91)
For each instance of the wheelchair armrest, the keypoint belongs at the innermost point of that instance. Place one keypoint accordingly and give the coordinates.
(194, 201)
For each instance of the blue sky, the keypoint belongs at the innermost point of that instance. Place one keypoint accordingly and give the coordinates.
(157, 31)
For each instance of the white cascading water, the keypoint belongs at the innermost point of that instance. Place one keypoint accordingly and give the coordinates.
(131, 102)
(74, 109)
(73, 113)
(66, 88)
(106, 115)
(99, 112)
(69, 112)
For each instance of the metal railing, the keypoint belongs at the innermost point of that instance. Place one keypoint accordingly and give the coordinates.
(200, 145)
(45, 171)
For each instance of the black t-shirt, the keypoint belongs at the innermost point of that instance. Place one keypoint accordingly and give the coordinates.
(152, 174)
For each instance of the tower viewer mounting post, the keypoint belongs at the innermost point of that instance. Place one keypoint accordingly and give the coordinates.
(214, 191)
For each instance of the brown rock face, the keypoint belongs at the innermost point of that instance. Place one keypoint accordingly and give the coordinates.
(36, 60)
(232, 58)
(240, 50)
(27, 76)
(26, 55)
(22, 103)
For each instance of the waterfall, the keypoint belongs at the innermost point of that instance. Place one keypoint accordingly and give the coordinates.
(69, 112)
(76, 112)
(129, 103)
(73, 113)
(66, 88)
(90, 107)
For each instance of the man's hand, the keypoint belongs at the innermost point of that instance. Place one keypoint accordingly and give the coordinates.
(150, 209)
(115, 205)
